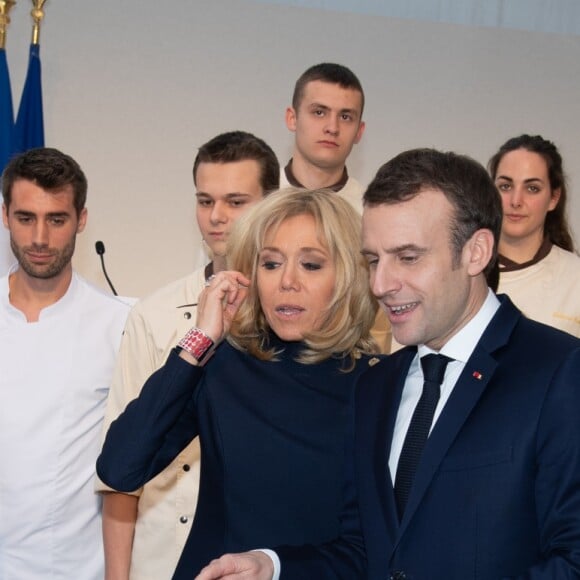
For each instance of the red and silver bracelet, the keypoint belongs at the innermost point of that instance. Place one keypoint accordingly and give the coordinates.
(198, 344)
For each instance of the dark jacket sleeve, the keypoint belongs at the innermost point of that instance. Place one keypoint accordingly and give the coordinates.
(153, 429)
(558, 476)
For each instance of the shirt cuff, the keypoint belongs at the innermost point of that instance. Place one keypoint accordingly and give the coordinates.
(275, 561)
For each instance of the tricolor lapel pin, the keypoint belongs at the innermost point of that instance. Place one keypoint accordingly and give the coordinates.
(477, 375)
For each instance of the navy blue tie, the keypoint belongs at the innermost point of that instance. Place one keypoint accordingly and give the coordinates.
(433, 366)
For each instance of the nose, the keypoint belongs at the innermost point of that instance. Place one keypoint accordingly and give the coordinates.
(384, 281)
(332, 126)
(289, 279)
(40, 234)
(218, 213)
(516, 198)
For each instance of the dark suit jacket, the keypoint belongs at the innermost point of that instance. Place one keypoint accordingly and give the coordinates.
(497, 491)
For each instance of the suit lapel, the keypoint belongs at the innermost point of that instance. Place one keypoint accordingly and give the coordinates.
(472, 382)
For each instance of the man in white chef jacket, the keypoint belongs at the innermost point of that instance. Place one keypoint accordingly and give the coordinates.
(58, 340)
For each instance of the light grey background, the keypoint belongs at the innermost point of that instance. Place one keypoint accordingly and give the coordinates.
(132, 88)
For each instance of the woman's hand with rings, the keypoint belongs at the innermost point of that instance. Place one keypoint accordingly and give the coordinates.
(219, 301)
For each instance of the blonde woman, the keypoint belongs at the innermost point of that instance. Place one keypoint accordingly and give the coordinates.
(265, 379)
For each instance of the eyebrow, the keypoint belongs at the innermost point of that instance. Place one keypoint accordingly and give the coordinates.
(305, 249)
(327, 108)
(529, 180)
(316, 105)
(52, 214)
(397, 250)
(233, 194)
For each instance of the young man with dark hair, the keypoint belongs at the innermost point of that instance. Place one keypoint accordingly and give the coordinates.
(59, 336)
(326, 119)
(466, 444)
(145, 532)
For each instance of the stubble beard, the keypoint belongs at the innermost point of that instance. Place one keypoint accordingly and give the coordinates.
(61, 259)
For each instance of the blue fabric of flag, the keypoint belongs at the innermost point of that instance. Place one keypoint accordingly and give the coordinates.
(6, 113)
(29, 131)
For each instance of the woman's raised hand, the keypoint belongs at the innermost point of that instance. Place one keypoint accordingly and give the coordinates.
(219, 301)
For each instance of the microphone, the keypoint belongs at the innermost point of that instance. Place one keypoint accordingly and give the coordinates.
(100, 248)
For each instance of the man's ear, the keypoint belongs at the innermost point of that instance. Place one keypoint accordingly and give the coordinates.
(359, 134)
(479, 251)
(291, 119)
(5, 215)
(82, 220)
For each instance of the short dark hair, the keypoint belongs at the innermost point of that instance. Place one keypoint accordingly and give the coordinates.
(241, 146)
(327, 72)
(556, 225)
(464, 182)
(50, 169)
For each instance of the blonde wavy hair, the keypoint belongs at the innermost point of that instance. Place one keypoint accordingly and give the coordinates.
(345, 328)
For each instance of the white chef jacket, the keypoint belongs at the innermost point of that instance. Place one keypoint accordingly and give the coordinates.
(54, 381)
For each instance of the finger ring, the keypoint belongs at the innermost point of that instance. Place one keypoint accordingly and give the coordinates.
(209, 280)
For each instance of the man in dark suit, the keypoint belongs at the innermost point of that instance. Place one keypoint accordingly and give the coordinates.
(474, 478)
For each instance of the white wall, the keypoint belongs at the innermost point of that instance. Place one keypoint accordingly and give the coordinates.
(561, 16)
(132, 88)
